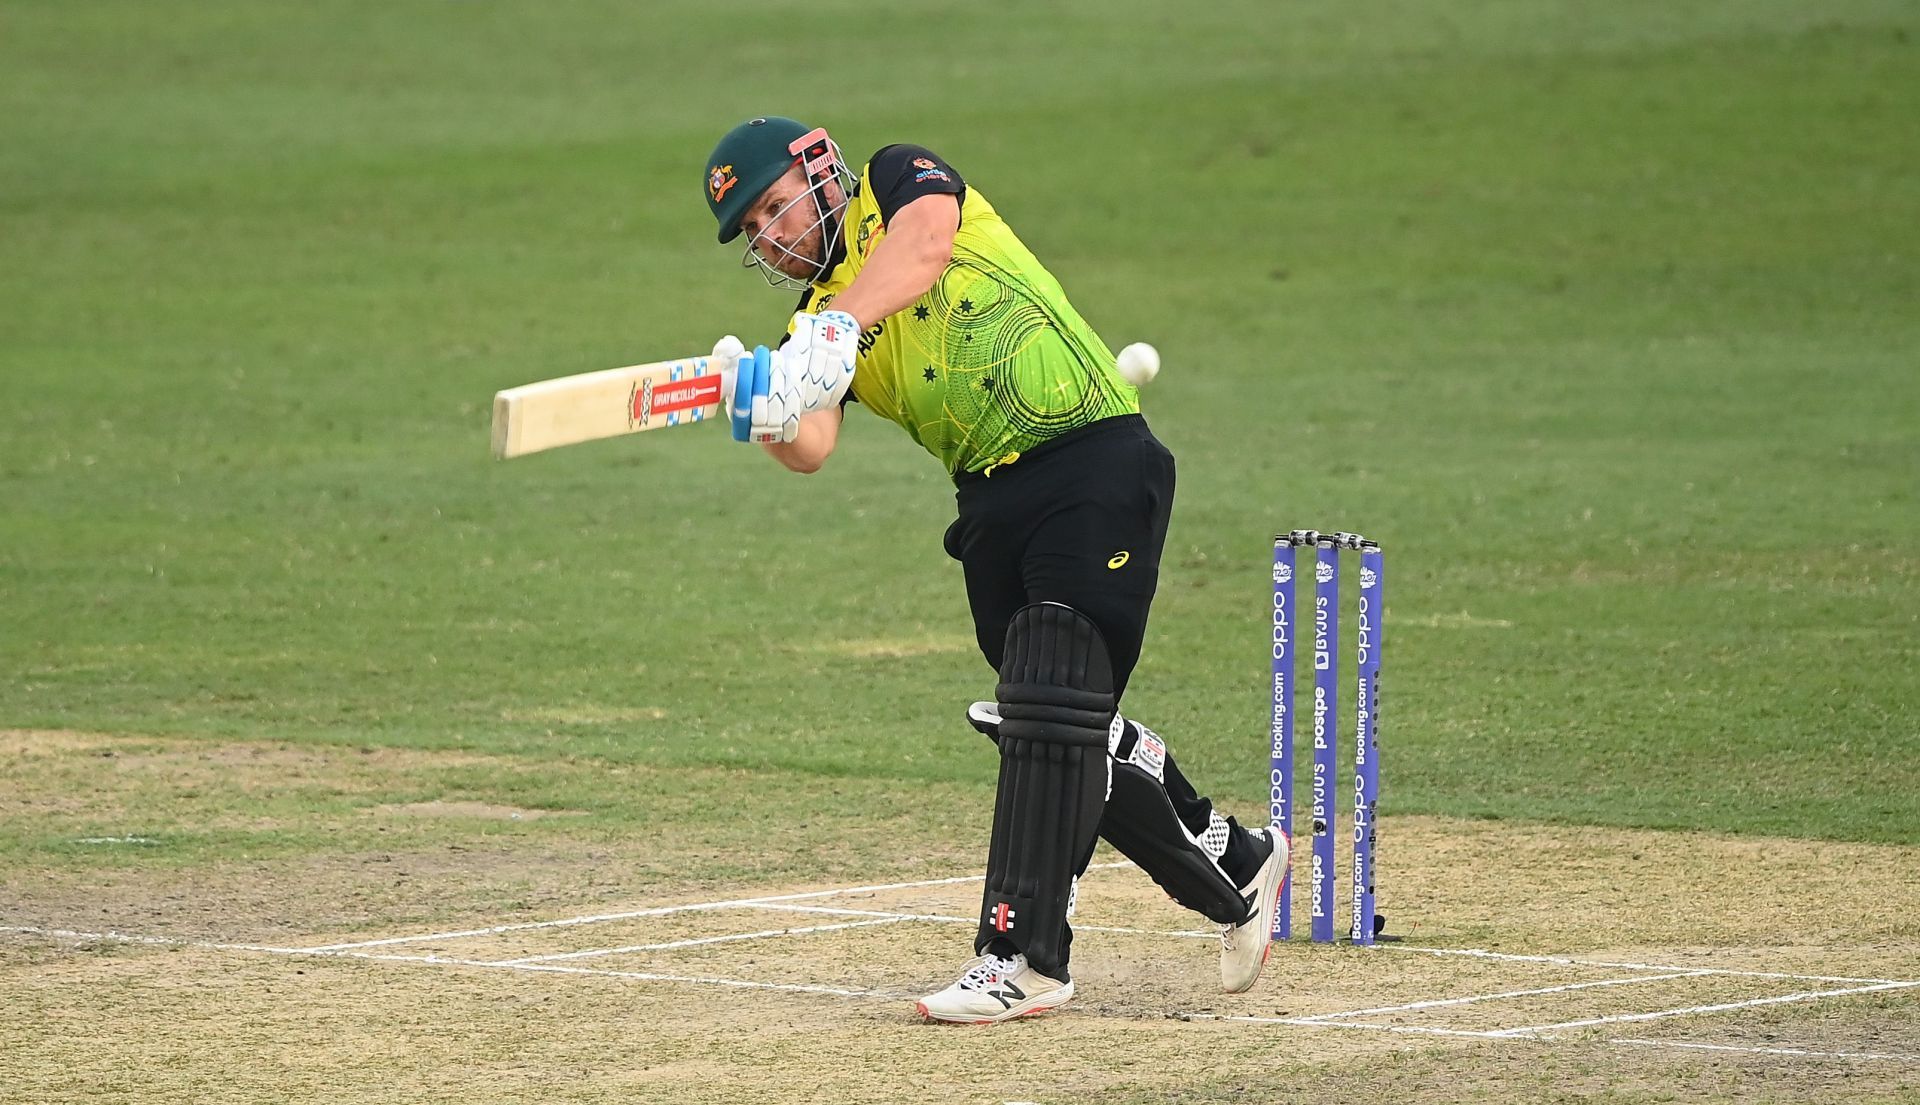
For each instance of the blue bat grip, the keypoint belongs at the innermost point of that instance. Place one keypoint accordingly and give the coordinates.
(751, 380)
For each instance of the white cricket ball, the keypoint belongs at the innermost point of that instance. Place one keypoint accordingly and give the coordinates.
(1139, 363)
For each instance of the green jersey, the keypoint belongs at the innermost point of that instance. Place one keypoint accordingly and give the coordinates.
(992, 360)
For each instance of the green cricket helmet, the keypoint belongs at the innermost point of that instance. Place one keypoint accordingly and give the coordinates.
(749, 158)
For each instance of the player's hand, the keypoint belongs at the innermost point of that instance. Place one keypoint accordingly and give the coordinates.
(809, 373)
(765, 404)
(820, 356)
(726, 357)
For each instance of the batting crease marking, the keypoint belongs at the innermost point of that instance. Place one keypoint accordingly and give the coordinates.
(1323, 1020)
(450, 961)
(1536, 1033)
(1478, 953)
(697, 942)
(661, 911)
(1308, 1022)
(1691, 1010)
(1771, 1050)
(1561, 989)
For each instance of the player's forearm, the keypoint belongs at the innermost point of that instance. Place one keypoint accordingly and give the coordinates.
(899, 272)
(805, 454)
(915, 250)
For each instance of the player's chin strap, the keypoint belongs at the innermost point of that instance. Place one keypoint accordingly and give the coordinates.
(819, 159)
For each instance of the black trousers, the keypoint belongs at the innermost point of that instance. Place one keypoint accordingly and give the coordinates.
(1080, 520)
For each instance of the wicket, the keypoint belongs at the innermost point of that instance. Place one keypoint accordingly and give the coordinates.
(1361, 927)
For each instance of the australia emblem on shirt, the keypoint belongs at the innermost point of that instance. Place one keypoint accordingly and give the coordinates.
(863, 240)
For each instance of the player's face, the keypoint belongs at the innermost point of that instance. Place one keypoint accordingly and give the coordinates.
(784, 227)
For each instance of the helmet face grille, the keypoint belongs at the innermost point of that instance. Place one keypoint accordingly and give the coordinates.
(821, 160)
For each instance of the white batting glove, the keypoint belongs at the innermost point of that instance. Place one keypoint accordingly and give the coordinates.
(776, 415)
(774, 387)
(820, 356)
(764, 406)
(726, 357)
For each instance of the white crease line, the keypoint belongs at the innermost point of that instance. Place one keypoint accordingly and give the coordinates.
(157, 941)
(694, 980)
(735, 983)
(1618, 1018)
(1424, 1030)
(1479, 953)
(1304, 1022)
(660, 911)
(695, 942)
(1773, 1050)
(950, 919)
(1438, 1003)
(770, 902)
(435, 960)
(832, 912)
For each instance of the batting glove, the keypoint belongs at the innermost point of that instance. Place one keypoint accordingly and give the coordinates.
(820, 356)
(726, 357)
(766, 405)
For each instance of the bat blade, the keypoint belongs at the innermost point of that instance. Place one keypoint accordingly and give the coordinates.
(611, 403)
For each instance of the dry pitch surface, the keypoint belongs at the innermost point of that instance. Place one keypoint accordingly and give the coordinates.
(1538, 963)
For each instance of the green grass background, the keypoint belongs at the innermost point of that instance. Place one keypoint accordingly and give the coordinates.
(1603, 317)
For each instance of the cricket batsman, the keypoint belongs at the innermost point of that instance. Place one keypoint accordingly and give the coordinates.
(919, 303)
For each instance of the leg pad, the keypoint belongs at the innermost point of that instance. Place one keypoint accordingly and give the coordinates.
(1057, 708)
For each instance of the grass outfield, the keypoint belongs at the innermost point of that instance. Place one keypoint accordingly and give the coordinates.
(1601, 317)
(1602, 321)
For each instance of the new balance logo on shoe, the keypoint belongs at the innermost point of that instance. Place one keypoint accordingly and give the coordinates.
(987, 992)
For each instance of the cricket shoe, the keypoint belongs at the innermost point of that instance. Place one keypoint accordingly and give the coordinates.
(995, 988)
(1244, 947)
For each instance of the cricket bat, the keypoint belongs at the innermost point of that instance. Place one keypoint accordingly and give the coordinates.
(611, 403)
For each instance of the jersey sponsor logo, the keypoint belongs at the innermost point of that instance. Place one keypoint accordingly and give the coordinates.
(925, 175)
(720, 181)
(1118, 560)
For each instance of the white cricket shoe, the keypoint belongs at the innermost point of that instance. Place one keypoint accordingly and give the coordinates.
(1244, 947)
(995, 988)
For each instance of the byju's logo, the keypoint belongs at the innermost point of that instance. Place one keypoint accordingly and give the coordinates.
(1323, 572)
